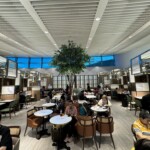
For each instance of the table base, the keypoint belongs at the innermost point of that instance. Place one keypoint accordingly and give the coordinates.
(61, 145)
(41, 133)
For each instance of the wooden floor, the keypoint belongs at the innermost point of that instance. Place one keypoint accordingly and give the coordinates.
(123, 118)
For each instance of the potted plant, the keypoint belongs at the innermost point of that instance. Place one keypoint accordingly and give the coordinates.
(69, 60)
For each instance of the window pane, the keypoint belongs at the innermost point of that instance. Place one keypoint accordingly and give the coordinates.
(94, 61)
(108, 60)
(35, 62)
(12, 58)
(109, 57)
(47, 62)
(23, 62)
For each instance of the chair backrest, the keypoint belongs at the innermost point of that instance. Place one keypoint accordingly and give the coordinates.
(134, 135)
(13, 104)
(28, 98)
(129, 98)
(138, 103)
(88, 126)
(38, 108)
(32, 120)
(105, 125)
(30, 112)
(15, 131)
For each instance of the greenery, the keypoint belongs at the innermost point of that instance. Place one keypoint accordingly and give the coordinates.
(70, 60)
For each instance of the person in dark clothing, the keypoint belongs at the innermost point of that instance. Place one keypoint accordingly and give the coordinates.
(42, 91)
(61, 106)
(22, 99)
(50, 94)
(81, 96)
(67, 89)
(6, 140)
(88, 88)
(146, 102)
(63, 96)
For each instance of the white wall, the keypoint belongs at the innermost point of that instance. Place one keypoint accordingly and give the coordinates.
(123, 60)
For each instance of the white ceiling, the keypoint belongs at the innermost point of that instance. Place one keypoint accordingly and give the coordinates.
(39, 27)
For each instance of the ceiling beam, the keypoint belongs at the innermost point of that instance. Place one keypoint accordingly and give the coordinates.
(29, 8)
(8, 39)
(99, 13)
(146, 25)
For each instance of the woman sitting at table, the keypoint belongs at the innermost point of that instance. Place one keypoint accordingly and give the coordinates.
(70, 110)
(106, 103)
(84, 110)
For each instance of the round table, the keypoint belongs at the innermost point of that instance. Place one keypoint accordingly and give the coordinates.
(49, 105)
(99, 109)
(43, 113)
(60, 120)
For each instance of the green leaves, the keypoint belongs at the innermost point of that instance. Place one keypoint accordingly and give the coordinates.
(70, 59)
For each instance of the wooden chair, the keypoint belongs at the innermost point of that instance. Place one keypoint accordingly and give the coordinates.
(86, 128)
(11, 108)
(15, 134)
(105, 125)
(33, 121)
(15, 131)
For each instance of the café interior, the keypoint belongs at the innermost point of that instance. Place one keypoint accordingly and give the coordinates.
(114, 33)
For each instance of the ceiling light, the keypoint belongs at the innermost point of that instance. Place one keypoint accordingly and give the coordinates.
(55, 44)
(97, 18)
(46, 32)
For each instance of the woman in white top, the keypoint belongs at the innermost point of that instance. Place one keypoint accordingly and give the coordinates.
(104, 101)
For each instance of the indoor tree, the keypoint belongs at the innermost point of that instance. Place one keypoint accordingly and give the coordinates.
(69, 60)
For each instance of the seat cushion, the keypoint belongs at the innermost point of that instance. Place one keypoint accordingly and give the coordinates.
(5, 110)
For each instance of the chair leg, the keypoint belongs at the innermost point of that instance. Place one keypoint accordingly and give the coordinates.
(25, 130)
(135, 111)
(10, 115)
(95, 142)
(112, 140)
(14, 113)
(83, 144)
(100, 140)
(130, 106)
(25, 105)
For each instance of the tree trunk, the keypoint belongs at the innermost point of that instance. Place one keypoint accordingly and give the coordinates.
(71, 82)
